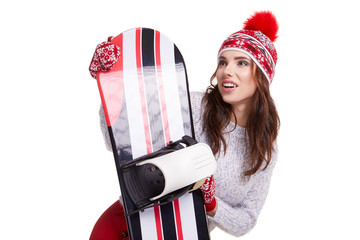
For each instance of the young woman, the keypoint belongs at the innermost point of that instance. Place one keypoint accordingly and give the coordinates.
(237, 118)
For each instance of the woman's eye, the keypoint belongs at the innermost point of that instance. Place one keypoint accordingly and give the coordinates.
(243, 63)
(222, 63)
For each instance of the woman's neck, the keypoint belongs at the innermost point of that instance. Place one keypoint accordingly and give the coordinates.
(241, 112)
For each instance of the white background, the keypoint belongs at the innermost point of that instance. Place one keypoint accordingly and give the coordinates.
(56, 177)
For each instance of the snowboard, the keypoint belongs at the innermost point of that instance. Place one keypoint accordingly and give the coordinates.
(146, 102)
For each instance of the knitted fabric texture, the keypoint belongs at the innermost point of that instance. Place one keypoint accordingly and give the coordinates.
(239, 198)
(104, 58)
(208, 192)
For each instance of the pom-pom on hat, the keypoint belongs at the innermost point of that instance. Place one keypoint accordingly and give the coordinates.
(256, 39)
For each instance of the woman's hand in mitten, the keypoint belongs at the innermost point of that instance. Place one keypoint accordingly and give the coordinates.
(208, 192)
(105, 56)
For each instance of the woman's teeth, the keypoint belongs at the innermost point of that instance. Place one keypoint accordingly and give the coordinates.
(229, 85)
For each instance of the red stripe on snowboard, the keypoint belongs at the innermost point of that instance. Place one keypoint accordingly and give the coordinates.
(161, 87)
(158, 223)
(106, 113)
(142, 91)
(178, 219)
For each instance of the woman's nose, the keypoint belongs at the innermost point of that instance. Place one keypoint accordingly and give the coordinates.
(228, 70)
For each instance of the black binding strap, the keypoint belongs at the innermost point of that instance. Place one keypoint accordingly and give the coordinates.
(137, 178)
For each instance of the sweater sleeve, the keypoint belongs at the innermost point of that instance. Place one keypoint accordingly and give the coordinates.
(239, 220)
(197, 109)
(104, 129)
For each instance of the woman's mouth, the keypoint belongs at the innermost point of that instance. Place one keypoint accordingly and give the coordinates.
(228, 86)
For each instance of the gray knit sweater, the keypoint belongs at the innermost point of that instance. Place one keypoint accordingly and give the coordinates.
(239, 198)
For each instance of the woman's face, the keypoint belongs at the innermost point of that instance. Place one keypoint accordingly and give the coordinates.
(235, 77)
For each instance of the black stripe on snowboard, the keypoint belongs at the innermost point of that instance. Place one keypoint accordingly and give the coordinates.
(155, 119)
(200, 216)
(151, 89)
(183, 89)
(168, 221)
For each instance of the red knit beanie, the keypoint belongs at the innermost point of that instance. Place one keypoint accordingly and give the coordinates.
(256, 39)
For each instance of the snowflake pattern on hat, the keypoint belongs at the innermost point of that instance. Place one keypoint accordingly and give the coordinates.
(261, 49)
(264, 40)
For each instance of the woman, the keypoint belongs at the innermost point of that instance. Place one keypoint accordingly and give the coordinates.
(237, 117)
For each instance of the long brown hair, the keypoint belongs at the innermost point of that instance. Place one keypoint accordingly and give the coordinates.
(262, 124)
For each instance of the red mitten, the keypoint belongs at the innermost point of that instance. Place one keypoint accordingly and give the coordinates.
(105, 57)
(208, 192)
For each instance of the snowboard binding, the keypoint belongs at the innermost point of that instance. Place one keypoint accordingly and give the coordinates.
(167, 174)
